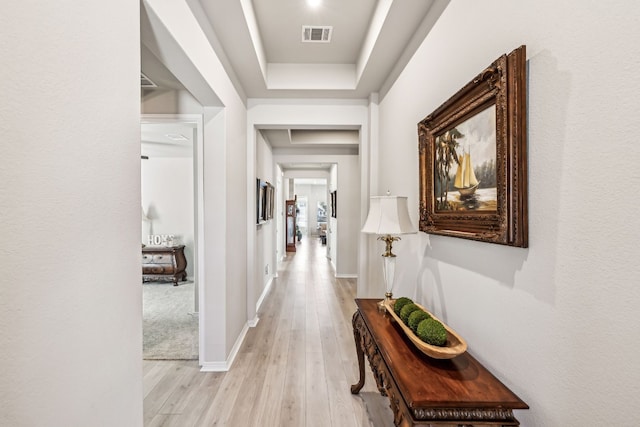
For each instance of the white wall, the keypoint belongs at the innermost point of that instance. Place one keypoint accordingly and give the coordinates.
(236, 224)
(266, 265)
(159, 101)
(70, 301)
(348, 223)
(556, 322)
(333, 222)
(167, 199)
(281, 191)
(223, 304)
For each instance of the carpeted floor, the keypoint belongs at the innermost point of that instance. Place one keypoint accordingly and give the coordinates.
(170, 323)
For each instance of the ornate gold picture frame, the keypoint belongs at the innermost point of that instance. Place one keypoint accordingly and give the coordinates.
(473, 158)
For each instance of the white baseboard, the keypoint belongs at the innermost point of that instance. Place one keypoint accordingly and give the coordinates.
(226, 365)
(265, 292)
(214, 367)
(253, 322)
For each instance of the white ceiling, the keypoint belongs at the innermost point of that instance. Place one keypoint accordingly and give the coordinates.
(167, 139)
(260, 44)
(372, 40)
(281, 33)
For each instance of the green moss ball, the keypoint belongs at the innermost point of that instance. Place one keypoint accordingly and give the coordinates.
(432, 332)
(407, 310)
(416, 317)
(401, 302)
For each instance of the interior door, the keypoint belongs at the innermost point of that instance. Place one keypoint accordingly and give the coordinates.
(290, 225)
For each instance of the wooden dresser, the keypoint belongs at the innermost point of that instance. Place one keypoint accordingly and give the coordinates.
(164, 263)
(424, 391)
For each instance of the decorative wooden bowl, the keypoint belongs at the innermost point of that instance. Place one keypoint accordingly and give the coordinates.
(455, 344)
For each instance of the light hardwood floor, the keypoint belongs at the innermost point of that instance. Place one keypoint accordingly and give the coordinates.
(295, 368)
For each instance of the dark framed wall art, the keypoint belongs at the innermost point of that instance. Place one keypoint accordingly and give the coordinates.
(473, 158)
(334, 204)
(265, 194)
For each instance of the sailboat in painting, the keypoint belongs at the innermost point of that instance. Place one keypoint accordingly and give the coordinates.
(465, 182)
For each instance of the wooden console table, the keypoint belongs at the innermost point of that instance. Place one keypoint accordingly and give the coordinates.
(164, 263)
(456, 392)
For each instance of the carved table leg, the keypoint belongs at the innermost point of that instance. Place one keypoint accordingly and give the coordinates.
(355, 389)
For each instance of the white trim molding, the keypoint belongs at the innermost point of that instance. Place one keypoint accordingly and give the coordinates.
(253, 322)
(226, 365)
(265, 292)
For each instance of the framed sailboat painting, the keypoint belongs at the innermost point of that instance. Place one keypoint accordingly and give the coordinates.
(473, 158)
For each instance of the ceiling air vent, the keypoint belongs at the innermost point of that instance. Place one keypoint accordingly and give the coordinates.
(312, 34)
(146, 81)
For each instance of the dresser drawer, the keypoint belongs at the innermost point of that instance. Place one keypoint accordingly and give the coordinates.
(157, 259)
(161, 263)
(158, 269)
(162, 259)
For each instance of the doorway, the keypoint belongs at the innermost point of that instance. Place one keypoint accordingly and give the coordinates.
(309, 200)
(311, 206)
(170, 199)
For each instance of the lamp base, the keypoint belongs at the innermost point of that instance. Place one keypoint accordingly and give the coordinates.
(381, 304)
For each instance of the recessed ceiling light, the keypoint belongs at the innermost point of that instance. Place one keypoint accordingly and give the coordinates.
(176, 137)
(314, 3)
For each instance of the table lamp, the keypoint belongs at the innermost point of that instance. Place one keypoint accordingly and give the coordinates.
(145, 218)
(388, 217)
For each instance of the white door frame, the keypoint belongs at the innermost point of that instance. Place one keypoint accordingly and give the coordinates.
(198, 185)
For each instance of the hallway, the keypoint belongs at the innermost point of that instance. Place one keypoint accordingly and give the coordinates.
(294, 368)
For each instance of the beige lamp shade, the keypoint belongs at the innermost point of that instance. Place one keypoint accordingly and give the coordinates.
(144, 216)
(388, 215)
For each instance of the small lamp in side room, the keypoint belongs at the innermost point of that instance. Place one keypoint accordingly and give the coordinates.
(388, 217)
(145, 218)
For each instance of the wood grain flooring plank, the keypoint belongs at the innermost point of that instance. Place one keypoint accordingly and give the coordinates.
(250, 388)
(159, 394)
(160, 420)
(154, 371)
(340, 398)
(147, 365)
(199, 400)
(219, 412)
(268, 405)
(292, 411)
(294, 369)
(316, 397)
(186, 385)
